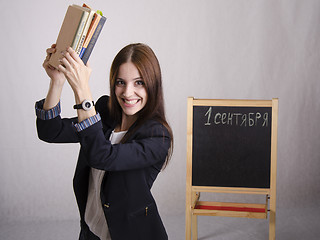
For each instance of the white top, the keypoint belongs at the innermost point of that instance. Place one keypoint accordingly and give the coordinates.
(94, 215)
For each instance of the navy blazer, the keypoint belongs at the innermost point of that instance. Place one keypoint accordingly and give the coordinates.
(131, 169)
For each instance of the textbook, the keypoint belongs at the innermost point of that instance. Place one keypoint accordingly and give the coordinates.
(80, 29)
(75, 30)
(83, 28)
(93, 26)
(87, 51)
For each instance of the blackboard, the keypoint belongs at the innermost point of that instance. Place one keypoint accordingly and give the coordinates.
(231, 146)
(231, 149)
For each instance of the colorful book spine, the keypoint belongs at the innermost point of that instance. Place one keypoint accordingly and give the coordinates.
(85, 31)
(93, 40)
(94, 24)
(80, 30)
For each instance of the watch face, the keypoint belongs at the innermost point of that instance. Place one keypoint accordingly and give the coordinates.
(87, 104)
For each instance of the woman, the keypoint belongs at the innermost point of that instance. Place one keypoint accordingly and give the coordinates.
(125, 141)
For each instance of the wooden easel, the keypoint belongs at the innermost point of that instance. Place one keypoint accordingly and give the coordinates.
(195, 207)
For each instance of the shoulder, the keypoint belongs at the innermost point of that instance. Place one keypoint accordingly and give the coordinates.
(152, 128)
(103, 109)
(102, 103)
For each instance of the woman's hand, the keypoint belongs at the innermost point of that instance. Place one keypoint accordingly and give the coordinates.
(57, 81)
(56, 76)
(77, 74)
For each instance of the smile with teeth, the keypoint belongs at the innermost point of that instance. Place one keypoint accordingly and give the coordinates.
(131, 102)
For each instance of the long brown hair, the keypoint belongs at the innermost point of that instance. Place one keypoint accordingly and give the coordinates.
(148, 66)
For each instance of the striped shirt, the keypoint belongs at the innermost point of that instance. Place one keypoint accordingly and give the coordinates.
(56, 110)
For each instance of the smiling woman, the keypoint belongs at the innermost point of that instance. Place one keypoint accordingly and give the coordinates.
(125, 142)
(131, 93)
(140, 60)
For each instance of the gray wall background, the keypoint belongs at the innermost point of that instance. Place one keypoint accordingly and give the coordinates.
(242, 49)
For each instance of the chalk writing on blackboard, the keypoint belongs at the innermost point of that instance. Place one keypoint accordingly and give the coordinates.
(231, 146)
(236, 118)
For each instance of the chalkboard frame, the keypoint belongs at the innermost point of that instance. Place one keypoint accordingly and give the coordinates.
(193, 192)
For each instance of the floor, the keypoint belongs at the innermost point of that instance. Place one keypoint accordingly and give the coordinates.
(291, 225)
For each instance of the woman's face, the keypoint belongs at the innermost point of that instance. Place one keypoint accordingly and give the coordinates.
(130, 89)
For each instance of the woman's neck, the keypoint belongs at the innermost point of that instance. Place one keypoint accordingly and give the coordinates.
(126, 123)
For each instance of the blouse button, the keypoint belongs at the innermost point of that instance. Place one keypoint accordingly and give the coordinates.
(107, 205)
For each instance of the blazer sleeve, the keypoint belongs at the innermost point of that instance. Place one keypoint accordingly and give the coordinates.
(149, 146)
(57, 130)
(54, 129)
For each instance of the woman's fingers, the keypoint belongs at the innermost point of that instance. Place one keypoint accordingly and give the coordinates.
(65, 64)
(68, 60)
(69, 66)
(74, 55)
(74, 69)
(49, 52)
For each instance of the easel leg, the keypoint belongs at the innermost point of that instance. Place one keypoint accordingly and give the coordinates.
(188, 223)
(272, 215)
(194, 227)
(272, 226)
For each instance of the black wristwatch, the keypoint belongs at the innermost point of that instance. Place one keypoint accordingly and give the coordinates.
(85, 105)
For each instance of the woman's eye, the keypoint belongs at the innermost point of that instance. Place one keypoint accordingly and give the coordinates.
(140, 82)
(119, 83)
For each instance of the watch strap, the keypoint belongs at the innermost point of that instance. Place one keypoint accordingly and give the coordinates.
(79, 106)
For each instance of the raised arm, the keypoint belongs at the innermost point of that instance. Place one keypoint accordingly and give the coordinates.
(57, 80)
(50, 126)
(77, 75)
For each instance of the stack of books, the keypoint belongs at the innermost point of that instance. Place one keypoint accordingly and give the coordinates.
(80, 30)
